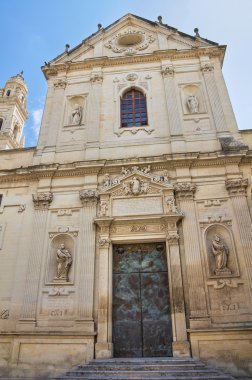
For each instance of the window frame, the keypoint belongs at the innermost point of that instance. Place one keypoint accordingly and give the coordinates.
(135, 114)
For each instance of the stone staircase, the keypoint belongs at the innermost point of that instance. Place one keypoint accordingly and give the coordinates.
(144, 369)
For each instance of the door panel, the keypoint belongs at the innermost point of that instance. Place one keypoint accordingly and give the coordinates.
(141, 308)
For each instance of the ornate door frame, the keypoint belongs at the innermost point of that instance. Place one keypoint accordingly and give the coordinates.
(138, 207)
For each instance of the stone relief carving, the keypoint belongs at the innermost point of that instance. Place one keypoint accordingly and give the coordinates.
(138, 228)
(89, 197)
(220, 284)
(171, 207)
(192, 104)
(185, 190)
(220, 252)
(172, 238)
(140, 41)
(236, 186)
(230, 143)
(21, 208)
(42, 200)
(103, 208)
(138, 188)
(76, 115)
(212, 202)
(63, 212)
(132, 77)
(64, 262)
(4, 314)
(207, 67)
(59, 291)
(104, 242)
(210, 219)
(96, 78)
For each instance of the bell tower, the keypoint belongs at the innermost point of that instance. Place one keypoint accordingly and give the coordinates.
(13, 113)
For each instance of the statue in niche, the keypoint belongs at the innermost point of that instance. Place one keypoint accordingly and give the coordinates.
(135, 186)
(76, 114)
(64, 262)
(220, 252)
(192, 104)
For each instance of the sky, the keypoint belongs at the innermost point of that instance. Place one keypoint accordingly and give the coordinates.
(32, 32)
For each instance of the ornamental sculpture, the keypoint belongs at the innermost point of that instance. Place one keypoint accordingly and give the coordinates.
(76, 115)
(135, 187)
(192, 104)
(64, 262)
(220, 252)
(42, 200)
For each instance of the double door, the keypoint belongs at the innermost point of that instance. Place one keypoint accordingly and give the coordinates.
(141, 306)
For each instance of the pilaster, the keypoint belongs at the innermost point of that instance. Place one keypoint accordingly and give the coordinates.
(28, 314)
(171, 100)
(197, 298)
(214, 98)
(237, 192)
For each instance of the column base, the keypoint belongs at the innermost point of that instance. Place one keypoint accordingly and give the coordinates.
(181, 349)
(103, 350)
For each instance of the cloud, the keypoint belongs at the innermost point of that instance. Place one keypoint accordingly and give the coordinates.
(36, 118)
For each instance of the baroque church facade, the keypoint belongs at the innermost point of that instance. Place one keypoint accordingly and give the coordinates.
(126, 232)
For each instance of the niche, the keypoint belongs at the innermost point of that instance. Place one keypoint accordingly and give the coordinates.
(61, 260)
(220, 250)
(75, 115)
(192, 100)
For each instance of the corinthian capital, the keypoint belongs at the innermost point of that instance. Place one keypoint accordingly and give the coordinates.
(42, 201)
(185, 190)
(89, 197)
(207, 68)
(236, 186)
(96, 78)
(167, 71)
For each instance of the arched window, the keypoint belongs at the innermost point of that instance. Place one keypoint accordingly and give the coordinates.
(8, 92)
(1, 123)
(133, 109)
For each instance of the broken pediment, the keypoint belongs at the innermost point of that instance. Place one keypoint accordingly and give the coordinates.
(135, 181)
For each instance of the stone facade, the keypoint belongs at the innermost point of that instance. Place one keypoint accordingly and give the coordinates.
(184, 178)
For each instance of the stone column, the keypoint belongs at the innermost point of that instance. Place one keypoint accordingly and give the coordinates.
(104, 347)
(86, 261)
(214, 98)
(28, 314)
(180, 345)
(171, 101)
(197, 296)
(237, 192)
(94, 115)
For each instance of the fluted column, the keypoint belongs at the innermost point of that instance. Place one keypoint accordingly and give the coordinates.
(197, 297)
(237, 192)
(171, 101)
(41, 204)
(180, 345)
(87, 256)
(214, 98)
(103, 347)
(95, 107)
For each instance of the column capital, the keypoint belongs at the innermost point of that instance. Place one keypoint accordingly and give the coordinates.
(96, 78)
(185, 190)
(42, 201)
(104, 242)
(236, 186)
(89, 197)
(167, 71)
(207, 68)
(60, 83)
(172, 238)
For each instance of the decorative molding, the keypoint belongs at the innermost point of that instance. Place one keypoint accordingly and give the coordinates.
(134, 130)
(104, 242)
(58, 291)
(132, 77)
(138, 228)
(103, 208)
(236, 186)
(221, 283)
(42, 201)
(167, 71)
(211, 219)
(212, 202)
(185, 190)
(64, 229)
(21, 208)
(144, 41)
(63, 212)
(89, 197)
(60, 83)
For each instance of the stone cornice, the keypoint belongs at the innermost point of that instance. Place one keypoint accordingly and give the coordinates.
(173, 161)
(171, 54)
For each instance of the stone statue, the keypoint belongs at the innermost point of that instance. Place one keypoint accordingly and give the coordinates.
(103, 208)
(64, 260)
(193, 104)
(171, 205)
(76, 114)
(135, 186)
(220, 252)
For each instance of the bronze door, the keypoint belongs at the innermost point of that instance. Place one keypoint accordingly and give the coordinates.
(141, 306)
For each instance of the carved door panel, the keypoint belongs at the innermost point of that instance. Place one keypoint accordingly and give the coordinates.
(141, 309)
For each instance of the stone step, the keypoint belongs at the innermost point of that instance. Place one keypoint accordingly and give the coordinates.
(144, 369)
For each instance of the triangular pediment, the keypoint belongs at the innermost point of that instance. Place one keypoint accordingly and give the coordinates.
(131, 35)
(135, 181)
